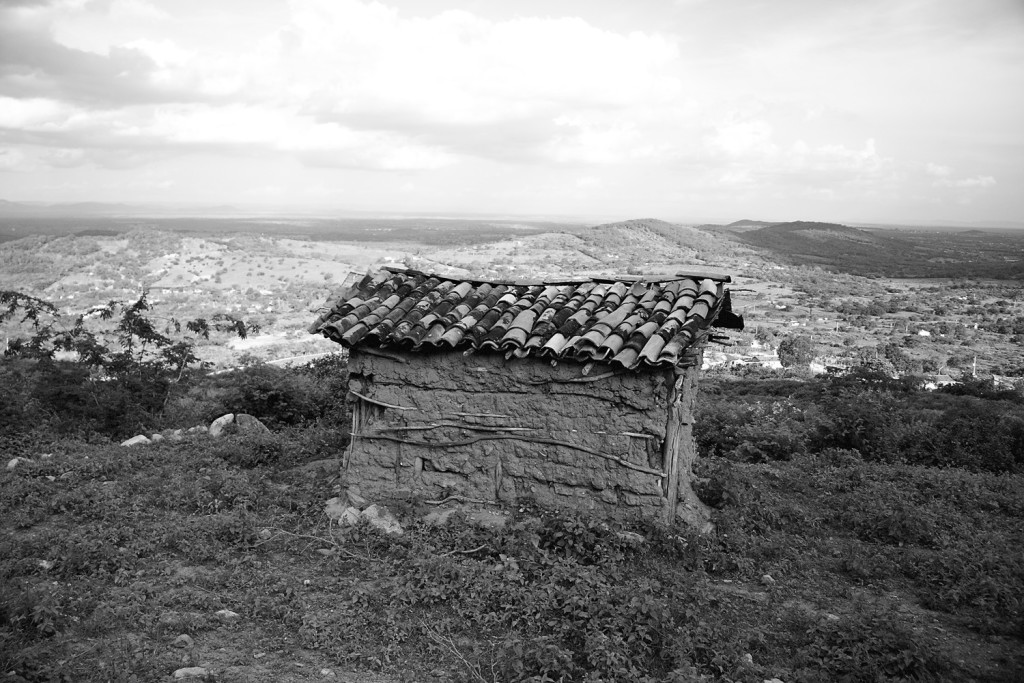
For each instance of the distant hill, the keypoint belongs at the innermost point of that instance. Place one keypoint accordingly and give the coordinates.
(746, 224)
(108, 209)
(807, 226)
(683, 234)
(737, 226)
(828, 243)
(700, 244)
(9, 208)
(889, 252)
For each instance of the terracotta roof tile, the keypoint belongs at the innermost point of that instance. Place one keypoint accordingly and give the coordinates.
(628, 321)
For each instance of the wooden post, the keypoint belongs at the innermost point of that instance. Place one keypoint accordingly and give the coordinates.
(680, 451)
(670, 455)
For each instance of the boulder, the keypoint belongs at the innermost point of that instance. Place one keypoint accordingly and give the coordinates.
(379, 517)
(156, 438)
(183, 640)
(486, 519)
(631, 538)
(227, 616)
(334, 508)
(14, 462)
(136, 440)
(192, 672)
(354, 499)
(349, 517)
(247, 424)
(439, 517)
(220, 425)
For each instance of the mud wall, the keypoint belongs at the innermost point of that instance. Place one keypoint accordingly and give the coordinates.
(487, 428)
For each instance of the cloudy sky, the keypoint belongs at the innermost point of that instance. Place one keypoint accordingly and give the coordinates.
(875, 110)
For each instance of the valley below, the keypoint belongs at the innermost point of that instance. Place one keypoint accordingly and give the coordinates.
(939, 301)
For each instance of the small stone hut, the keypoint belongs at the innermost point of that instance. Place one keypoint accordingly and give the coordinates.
(577, 394)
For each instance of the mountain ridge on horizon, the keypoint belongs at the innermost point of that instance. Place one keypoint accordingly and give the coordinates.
(100, 209)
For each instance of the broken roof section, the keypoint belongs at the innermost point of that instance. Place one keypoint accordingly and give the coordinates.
(625, 321)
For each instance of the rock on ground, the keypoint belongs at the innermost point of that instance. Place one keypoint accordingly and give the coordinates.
(439, 517)
(184, 640)
(220, 425)
(631, 537)
(486, 519)
(354, 499)
(250, 424)
(334, 508)
(349, 517)
(379, 517)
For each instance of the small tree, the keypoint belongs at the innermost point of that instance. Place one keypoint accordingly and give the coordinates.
(796, 351)
(142, 341)
(123, 372)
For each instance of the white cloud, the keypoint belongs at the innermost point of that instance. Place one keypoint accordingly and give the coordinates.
(164, 52)
(583, 140)
(757, 102)
(367, 66)
(743, 138)
(834, 157)
(11, 159)
(736, 177)
(937, 170)
(62, 157)
(409, 92)
(975, 182)
(31, 113)
(752, 157)
(130, 9)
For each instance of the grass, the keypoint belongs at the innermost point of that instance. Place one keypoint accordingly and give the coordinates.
(876, 572)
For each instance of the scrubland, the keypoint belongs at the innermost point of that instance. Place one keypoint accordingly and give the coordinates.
(829, 560)
(865, 529)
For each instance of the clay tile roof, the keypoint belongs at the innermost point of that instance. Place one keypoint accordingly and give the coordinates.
(629, 322)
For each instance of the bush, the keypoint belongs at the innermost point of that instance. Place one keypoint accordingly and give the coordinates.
(123, 376)
(867, 414)
(796, 351)
(751, 431)
(283, 396)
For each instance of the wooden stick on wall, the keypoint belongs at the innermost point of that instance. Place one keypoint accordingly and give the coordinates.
(670, 459)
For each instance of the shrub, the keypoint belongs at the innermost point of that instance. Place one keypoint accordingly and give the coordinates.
(865, 414)
(281, 396)
(123, 375)
(796, 351)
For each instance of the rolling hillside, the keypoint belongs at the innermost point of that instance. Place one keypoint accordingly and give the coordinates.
(892, 253)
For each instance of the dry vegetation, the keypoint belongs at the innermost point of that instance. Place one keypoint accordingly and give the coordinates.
(866, 530)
